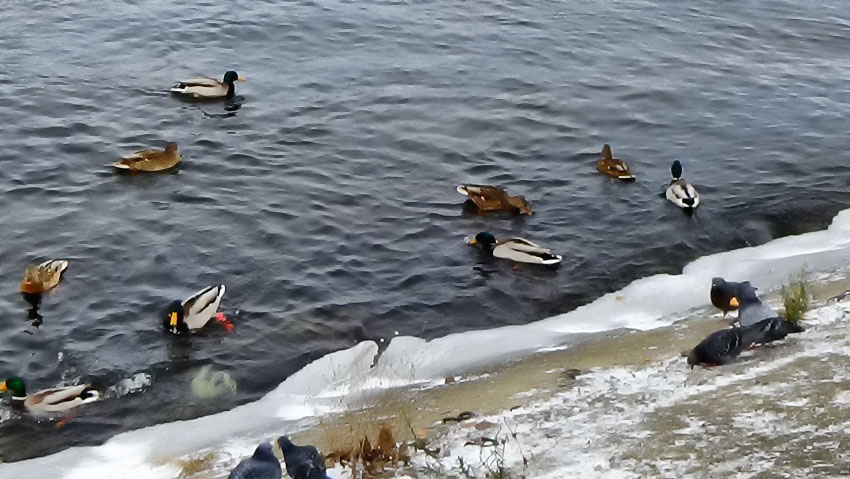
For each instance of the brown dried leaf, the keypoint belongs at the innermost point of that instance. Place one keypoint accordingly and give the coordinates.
(386, 444)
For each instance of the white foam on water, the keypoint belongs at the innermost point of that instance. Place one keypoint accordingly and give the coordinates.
(339, 380)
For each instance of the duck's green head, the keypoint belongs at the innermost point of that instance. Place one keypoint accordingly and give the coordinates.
(232, 76)
(676, 169)
(485, 239)
(14, 385)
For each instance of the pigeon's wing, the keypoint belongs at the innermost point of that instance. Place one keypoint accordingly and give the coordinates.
(751, 313)
(306, 463)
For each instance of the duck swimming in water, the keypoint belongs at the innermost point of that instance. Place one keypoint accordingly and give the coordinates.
(43, 277)
(47, 401)
(493, 198)
(515, 249)
(680, 192)
(150, 160)
(205, 88)
(194, 312)
(614, 167)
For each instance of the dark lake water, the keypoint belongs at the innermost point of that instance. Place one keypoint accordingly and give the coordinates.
(327, 202)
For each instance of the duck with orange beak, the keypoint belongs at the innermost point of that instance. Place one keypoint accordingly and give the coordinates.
(194, 312)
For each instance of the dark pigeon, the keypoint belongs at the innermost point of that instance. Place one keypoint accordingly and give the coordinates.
(262, 465)
(750, 308)
(723, 292)
(720, 347)
(302, 462)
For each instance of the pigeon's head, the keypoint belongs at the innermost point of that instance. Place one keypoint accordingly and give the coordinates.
(284, 443)
(693, 360)
(264, 451)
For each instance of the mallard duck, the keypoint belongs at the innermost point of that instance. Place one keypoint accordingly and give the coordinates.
(193, 312)
(680, 192)
(44, 277)
(150, 160)
(516, 249)
(614, 167)
(205, 88)
(48, 401)
(493, 198)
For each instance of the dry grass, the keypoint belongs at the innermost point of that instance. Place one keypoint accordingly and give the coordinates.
(196, 465)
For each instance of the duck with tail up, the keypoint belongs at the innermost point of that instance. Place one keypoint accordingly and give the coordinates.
(193, 313)
(613, 167)
(48, 401)
(515, 249)
(680, 192)
(493, 198)
(302, 462)
(43, 277)
(206, 88)
(262, 465)
(724, 294)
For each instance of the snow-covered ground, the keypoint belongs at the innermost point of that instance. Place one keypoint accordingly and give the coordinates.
(781, 410)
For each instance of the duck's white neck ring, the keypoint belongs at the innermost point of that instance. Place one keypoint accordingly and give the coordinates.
(18, 398)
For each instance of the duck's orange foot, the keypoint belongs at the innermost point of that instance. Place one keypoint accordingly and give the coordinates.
(65, 420)
(221, 318)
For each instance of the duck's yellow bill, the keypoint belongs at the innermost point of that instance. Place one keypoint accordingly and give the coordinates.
(173, 320)
(734, 302)
(472, 242)
(2, 386)
(240, 79)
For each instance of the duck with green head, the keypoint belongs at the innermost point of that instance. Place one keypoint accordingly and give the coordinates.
(515, 249)
(680, 192)
(47, 401)
(206, 88)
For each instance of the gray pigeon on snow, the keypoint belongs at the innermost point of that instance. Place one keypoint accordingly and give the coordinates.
(302, 462)
(750, 308)
(262, 465)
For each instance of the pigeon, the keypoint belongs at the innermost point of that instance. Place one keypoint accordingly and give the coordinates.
(750, 308)
(773, 329)
(302, 462)
(262, 465)
(724, 294)
(720, 347)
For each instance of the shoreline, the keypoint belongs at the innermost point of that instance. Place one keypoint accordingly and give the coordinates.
(498, 390)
